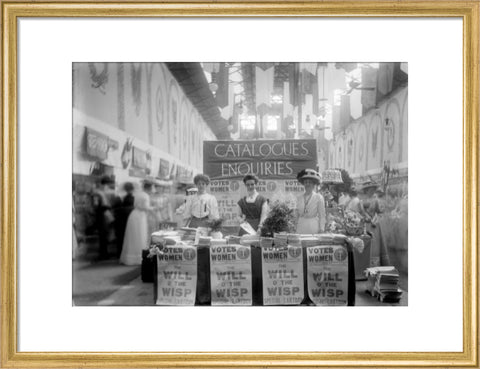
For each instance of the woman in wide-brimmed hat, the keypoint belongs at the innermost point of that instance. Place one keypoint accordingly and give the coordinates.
(310, 205)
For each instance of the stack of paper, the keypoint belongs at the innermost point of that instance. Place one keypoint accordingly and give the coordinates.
(216, 241)
(383, 283)
(204, 241)
(188, 234)
(250, 240)
(280, 239)
(309, 240)
(233, 240)
(266, 241)
(160, 237)
(294, 239)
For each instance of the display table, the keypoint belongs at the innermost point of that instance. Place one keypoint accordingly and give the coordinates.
(203, 295)
(362, 259)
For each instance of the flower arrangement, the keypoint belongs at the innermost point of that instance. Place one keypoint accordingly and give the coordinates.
(156, 249)
(345, 222)
(335, 224)
(215, 225)
(353, 223)
(279, 219)
(215, 228)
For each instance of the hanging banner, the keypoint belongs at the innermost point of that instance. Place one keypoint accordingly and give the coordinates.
(163, 169)
(282, 275)
(275, 163)
(231, 275)
(177, 275)
(97, 144)
(275, 159)
(139, 158)
(327, 274)
(184, 175)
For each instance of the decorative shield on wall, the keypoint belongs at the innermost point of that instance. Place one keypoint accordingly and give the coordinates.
(361, 148)
(374, 142)
(350, 160)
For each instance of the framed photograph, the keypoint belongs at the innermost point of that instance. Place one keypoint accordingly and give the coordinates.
(174, 118)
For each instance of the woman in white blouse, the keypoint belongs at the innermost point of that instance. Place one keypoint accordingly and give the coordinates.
(310, 205)
(202, 207)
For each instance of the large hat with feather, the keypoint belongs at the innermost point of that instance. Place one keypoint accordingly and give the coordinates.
(308, 174)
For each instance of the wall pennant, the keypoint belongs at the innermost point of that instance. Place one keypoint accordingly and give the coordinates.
(127, 153)
(136, 74)
(99, 80)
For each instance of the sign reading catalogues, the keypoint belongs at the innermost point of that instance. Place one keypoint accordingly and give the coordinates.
(279, 159)
(327, 277)
(276, 163)
(177, 275)
(282, 273)
(231, 275)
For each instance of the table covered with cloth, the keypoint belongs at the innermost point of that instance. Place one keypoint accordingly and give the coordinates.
(203, 289)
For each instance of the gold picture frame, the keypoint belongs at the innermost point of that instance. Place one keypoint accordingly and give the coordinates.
(468, 11)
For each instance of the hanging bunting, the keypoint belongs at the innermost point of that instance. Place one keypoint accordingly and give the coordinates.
(293, 83)
(222, 94)
(264, 75)
(385, 78)
(369, 79)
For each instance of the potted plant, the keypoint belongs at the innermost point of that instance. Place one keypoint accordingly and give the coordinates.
(280, 219)
(215, 227)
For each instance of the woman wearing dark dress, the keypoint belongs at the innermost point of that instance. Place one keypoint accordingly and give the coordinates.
(252, 208)
(123, 212)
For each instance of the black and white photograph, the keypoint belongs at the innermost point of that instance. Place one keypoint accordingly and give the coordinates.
(240, 184)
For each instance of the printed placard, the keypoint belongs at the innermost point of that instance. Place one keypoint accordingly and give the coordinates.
(276, 163)
(327, 274)
(282, 272)
(231, 275)
(229, 191)
(97, 144)
(279, 159)
(177, 275)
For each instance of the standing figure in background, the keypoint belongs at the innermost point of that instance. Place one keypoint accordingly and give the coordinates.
(311, 205)
(202, 206)
(402, 207)
(177, 199)
(252, 208)
(161, 204)
(343, 199)
(137, 236)
(74, 234)
(190, 191)
(356, 205)
(123, 212)
(376, 206)
(102, 204)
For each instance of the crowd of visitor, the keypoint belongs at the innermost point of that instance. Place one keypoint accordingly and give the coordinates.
(127, 217)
